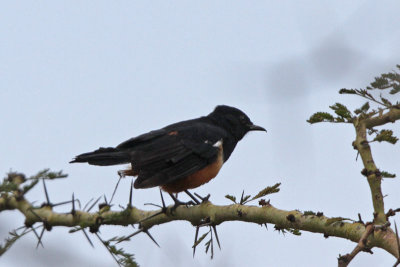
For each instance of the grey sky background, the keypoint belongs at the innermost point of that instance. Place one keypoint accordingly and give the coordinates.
(79, 75)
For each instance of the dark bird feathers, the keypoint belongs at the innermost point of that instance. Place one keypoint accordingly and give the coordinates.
(177, 151)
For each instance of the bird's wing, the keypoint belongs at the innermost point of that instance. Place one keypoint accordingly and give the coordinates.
(175, 154)
(142, 139)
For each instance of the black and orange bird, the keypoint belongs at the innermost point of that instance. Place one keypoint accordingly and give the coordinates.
(180, 156)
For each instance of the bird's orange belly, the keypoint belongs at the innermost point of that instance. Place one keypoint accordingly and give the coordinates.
(196, 179)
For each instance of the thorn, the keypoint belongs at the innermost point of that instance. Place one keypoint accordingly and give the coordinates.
(163, 209)
(129, 236)
(87, 237)
(21, 227)
(105, 199)
(203, 199)
(162, 199)
(37, 236)
(195, 240)
(45, 192)
(40, 238)
(149, 235)
(115, 189)
(34, 213)
(138, 232)
(241, 198)
(73, 204)
(91, 207)
(84, 208)
(112, 254)
(212, 244)
(130, 195)
(266, 226)
(26, 230)
(359, 219)
(151, 216)
(61, 203)
(216, 235)
(152, 204)
(79, 203)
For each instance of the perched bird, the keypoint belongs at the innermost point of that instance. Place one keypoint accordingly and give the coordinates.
(180, 156)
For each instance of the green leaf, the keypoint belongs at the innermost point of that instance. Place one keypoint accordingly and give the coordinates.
(386, 136)
(386, 174)
(244, 200)
(120, 256)
(7, 186)
(268, 190)
(341, 110)
(321, 117)
(387, 80)
(56, 175)
(294, 231)
(386, 102)
(380, 83)
(14, 236)
(231, 198)
(347, 91)
(395, 90)
(207, 244)
(199, 240)
(363, 109)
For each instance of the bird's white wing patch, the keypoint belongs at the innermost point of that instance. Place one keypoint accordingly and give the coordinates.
(218, 143)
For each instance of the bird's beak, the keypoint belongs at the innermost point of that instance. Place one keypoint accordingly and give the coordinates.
(256, 128)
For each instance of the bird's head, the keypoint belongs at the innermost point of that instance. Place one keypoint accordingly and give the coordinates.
(234, 121)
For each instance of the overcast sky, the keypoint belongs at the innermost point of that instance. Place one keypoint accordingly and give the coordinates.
(75, 76)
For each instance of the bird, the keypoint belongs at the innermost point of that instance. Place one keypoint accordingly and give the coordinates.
(180, 156)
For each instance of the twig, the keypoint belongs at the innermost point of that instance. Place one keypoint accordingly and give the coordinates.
(361, 246)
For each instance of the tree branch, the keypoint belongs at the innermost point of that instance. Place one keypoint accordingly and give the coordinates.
(344, 261)
(317, 223)
(372, 173)
(391, 116)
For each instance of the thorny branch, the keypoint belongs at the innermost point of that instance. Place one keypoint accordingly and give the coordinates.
(266, 213)
(364, 120)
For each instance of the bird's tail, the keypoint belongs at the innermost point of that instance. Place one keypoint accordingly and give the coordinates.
(103, 157)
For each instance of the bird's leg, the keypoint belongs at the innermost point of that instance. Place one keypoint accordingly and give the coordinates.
(179, 203)
(203, 199)
(176, 205)
(192, 197)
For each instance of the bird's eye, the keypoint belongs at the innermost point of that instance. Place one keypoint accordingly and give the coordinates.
(242, 118)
